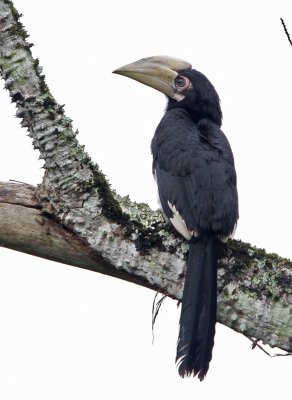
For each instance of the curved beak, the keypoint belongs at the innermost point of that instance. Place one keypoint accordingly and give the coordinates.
(158, 72)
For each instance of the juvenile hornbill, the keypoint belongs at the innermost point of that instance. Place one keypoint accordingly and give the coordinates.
(194, 169)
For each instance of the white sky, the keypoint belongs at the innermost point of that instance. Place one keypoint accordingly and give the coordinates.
(73, 334)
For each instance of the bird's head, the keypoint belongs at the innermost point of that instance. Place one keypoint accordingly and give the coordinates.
(184, 87)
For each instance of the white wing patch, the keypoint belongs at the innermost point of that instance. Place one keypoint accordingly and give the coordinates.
(179, 223)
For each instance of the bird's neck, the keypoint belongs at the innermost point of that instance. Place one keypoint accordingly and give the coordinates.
(198, 111)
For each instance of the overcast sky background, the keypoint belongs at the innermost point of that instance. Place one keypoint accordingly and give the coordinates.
(73, 334)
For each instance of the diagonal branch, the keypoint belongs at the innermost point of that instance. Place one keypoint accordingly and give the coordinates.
(112, 234)
(286, 31)
(254, 287)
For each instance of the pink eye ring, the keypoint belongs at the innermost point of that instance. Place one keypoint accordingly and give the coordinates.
(181, 82)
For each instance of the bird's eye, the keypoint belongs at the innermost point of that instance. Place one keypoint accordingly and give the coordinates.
(181, 82)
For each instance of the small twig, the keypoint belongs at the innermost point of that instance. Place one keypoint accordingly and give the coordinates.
(155, 310)
(286, 31)
(255, 343)
(281, 355)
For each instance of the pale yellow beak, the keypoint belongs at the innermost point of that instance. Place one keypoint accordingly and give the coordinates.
(158, 72)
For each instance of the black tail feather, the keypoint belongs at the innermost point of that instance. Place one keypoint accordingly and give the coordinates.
(198, 312)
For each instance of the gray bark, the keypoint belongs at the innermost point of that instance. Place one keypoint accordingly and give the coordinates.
(112, 234)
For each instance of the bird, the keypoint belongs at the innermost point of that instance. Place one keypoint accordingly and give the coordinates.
(193, 166)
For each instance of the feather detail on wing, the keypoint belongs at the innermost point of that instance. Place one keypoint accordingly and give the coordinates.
(179, 223)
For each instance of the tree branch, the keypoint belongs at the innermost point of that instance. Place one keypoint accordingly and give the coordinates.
(125, 239)
(25, 227)
(286, 31)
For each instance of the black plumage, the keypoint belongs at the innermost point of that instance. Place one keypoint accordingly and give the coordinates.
(194, 169)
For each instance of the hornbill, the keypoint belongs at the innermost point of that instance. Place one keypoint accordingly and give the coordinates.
(194, 169)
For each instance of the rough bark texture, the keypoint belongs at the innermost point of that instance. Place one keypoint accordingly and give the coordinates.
(254, 288)
(25, 227)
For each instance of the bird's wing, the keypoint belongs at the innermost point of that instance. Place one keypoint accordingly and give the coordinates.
(196, 180)
(175, 203)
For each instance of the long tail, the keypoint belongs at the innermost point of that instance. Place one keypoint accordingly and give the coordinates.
(198, 311)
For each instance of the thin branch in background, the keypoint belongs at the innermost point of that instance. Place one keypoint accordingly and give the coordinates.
(286, 31)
